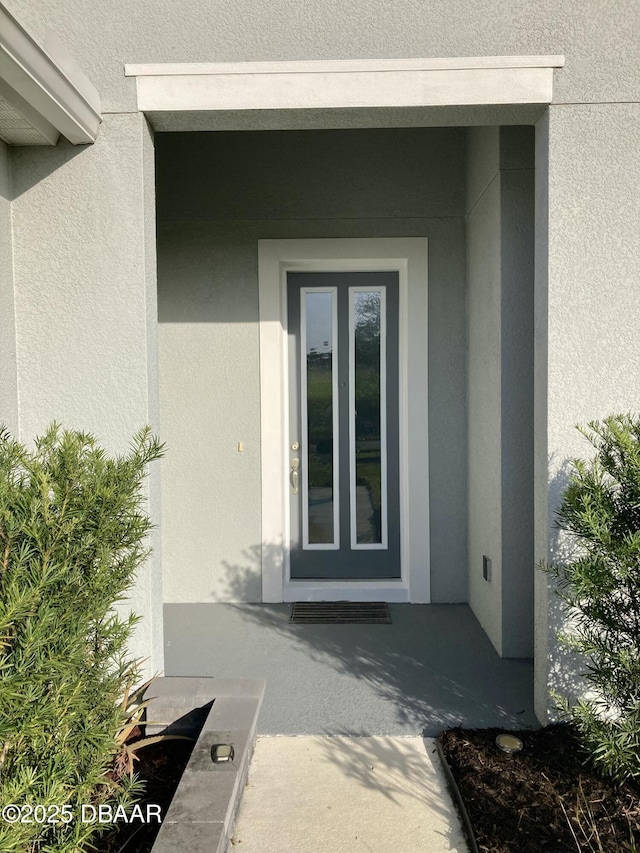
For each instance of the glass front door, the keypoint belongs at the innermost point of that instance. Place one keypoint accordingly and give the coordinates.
(344, 437)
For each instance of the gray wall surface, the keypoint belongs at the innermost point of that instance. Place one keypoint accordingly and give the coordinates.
(591, 337)
(500, 233)
(517, 398)
(85, 305)
(86, 223)
(600, 43)
(543, 638)
(8, 367)
(218, 194)
(484, 378)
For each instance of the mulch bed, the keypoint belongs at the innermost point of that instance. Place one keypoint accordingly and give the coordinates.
(161, 766)
(540, 798)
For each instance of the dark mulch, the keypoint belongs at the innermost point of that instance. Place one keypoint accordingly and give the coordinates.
(160, 766)
(517, 803)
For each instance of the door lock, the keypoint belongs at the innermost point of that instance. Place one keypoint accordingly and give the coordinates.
(295, 445)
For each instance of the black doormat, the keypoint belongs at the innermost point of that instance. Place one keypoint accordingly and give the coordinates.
(333, 612)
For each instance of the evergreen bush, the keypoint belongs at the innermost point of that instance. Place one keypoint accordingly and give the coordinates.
(72, 535)
(601, 593)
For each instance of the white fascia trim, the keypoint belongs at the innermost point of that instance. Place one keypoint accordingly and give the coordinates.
(342, 66)
(49, 80)
(345, 83)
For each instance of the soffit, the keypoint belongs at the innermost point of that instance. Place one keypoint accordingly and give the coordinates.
(16, 129)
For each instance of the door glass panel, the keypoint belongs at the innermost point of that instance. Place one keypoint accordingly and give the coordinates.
(368, 522)
(343, 425)
(319, 400)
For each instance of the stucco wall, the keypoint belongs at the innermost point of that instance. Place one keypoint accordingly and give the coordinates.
(601, 46)
(588, 244)
(517, 233)
(218, 194)
(500, 189)
(484, 377)
(542, 633)
(85, 304)
(592, 254)
(8, 367)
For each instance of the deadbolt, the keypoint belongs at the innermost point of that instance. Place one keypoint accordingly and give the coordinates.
(295, 445)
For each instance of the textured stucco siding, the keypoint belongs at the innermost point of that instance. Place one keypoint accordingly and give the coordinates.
(85, 303)
(600, 45)
(541, 520)
(484, 379)
(517, 233)
(500, 229)
(80, 297)
(592, 253)
(209, 401)
(217, 196)
(8, 367)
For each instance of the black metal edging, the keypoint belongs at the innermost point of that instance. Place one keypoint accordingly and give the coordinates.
(457, 796)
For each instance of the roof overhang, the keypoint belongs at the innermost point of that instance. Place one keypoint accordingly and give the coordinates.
(43, 92)
(198, 90)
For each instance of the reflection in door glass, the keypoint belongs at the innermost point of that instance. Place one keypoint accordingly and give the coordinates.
(319, 345)
(367, 320)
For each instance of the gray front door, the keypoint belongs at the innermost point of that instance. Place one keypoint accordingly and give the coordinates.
(343, 429)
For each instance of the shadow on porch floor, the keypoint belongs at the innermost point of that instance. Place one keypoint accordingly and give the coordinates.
(431, 668)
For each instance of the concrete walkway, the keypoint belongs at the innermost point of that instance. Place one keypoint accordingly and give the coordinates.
(343, 794)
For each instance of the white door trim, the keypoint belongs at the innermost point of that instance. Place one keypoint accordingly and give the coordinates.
(407, 255)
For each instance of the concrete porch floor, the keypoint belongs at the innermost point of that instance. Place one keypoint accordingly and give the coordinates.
(432, 668)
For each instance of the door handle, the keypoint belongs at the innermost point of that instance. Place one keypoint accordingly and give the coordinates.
(295, 464)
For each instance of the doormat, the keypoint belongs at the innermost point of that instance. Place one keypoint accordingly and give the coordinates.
(335, 612)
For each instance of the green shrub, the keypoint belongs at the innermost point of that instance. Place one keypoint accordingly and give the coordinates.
(71, 538)
(601, 593)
